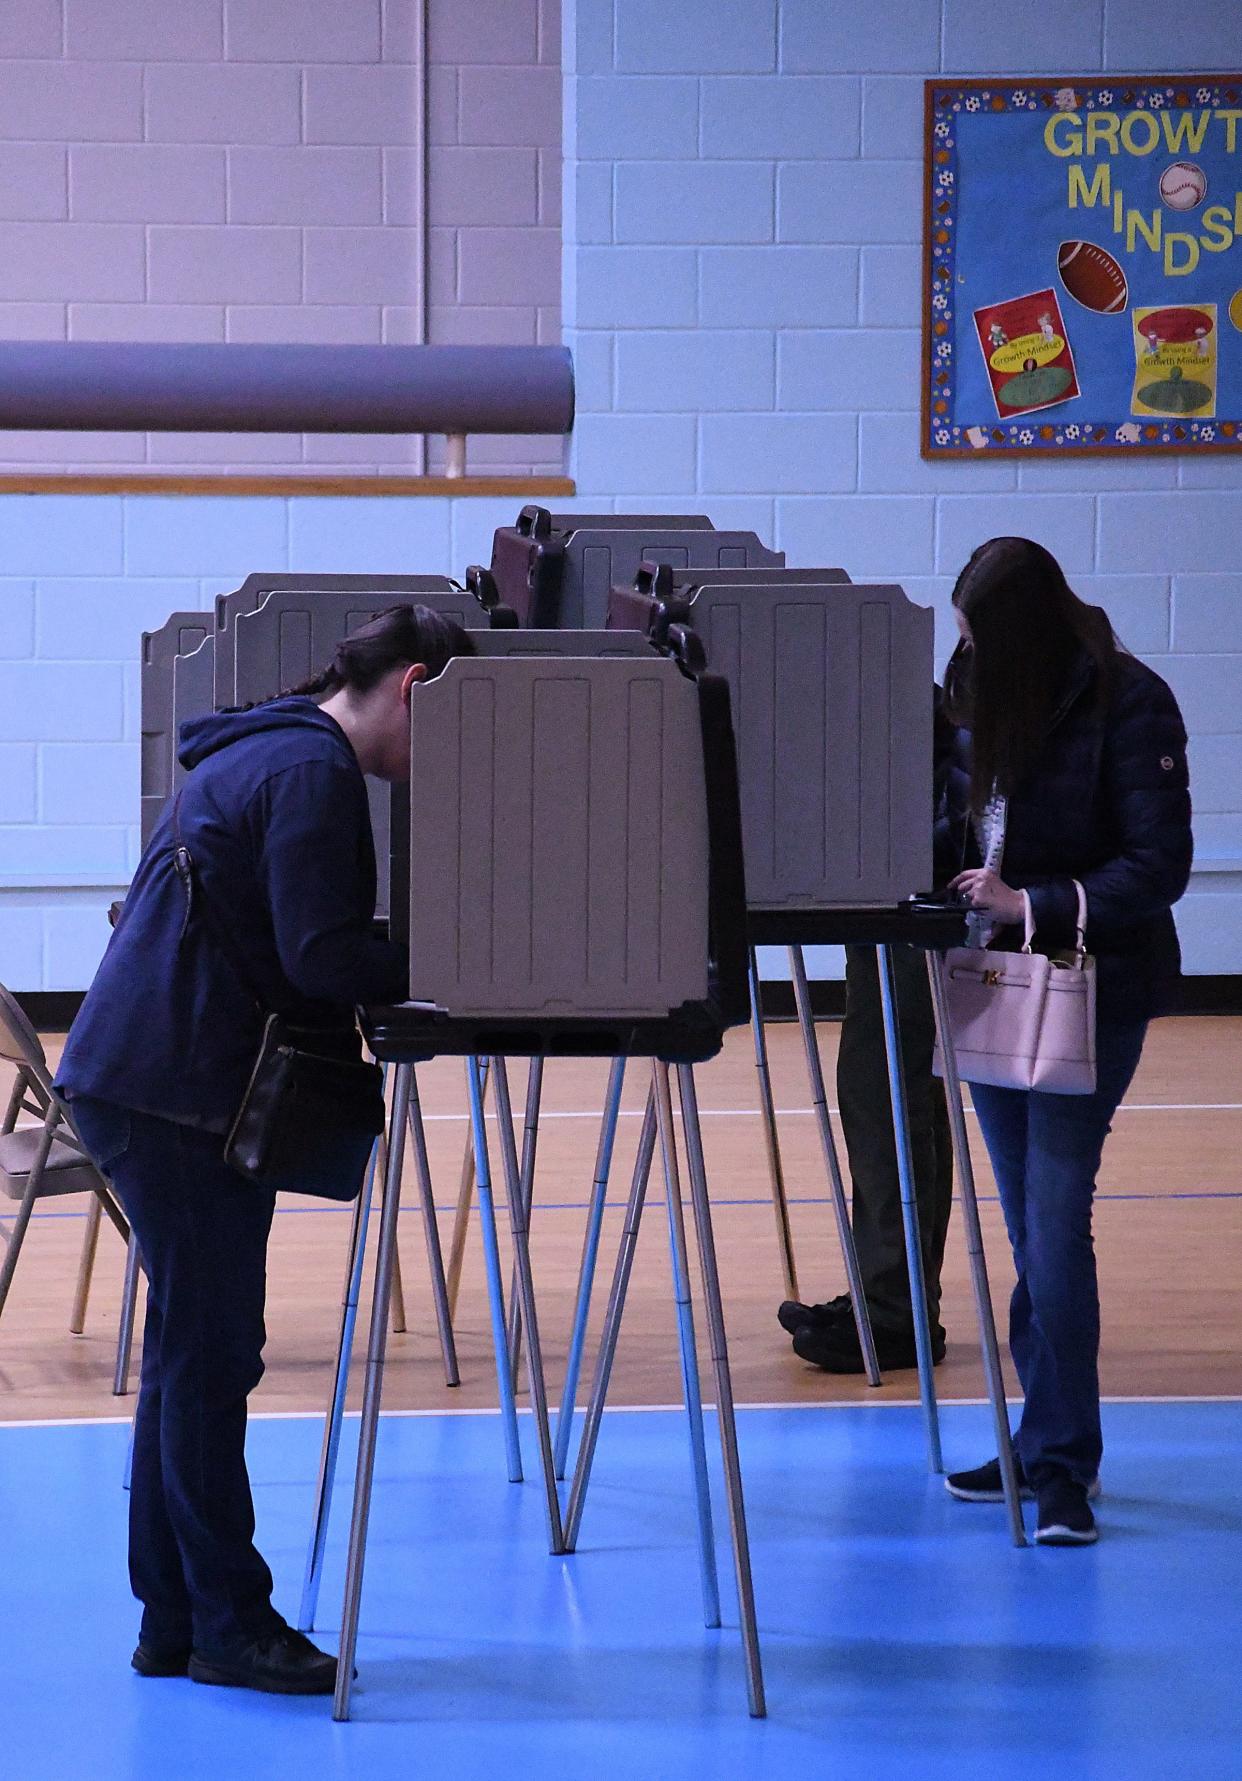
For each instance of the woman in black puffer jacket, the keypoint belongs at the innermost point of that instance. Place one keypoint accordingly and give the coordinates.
(1069, 762)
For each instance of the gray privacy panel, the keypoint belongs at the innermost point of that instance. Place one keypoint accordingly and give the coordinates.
(559, 851)
(832, 688)
(193, 683)
(291, 635)
(182, 632)
(596, 558)
(256, 588)
(627, 522)
(521, 642)
(629, 607)
(516, 642)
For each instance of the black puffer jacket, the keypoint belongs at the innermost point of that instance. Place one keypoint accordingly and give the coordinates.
(1108, 804)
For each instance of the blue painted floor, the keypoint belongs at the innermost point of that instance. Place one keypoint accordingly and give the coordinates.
(903, 1636)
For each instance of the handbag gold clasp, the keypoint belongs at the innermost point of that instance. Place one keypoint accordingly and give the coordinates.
(991, 978)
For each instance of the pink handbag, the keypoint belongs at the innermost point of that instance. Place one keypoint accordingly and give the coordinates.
(1021, 1020)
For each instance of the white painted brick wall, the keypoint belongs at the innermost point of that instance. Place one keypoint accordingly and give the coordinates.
(742, 283)
(242, 170)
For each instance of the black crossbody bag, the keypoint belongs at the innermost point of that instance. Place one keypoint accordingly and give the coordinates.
(313, 1106)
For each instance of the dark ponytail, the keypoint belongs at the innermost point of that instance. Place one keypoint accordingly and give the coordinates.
(397, 638)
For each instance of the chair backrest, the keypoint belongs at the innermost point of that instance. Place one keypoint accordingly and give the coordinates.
(832, 686)
(19, 1043)
(180, 634)
(559, 851)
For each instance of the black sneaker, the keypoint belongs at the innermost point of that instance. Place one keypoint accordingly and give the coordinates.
(283, 1662)
(160, 1660)
(1064, 1516)
(837, 1349)
(793, 1315)
(983, 1484)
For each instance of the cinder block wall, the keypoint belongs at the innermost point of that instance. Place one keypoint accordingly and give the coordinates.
(741, 278)
(231, 170)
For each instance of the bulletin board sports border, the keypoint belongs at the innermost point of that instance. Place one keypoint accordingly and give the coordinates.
(1082, 255)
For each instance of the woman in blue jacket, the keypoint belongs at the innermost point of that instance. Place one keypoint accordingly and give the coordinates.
(275, 815)
(1069, 763)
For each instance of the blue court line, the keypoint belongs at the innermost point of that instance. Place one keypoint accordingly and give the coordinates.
(617, 1202)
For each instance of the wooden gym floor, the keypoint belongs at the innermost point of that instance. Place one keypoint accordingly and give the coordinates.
(1168, 1225)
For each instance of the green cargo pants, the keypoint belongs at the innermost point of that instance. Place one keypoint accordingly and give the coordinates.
(867, 1124)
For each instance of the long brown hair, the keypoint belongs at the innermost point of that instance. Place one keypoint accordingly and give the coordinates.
(398, 637)
(1028, 630)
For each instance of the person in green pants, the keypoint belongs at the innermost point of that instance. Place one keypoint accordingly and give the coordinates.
(825, 1334)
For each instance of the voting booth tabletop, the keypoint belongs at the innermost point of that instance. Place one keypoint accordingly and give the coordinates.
(903, 1636)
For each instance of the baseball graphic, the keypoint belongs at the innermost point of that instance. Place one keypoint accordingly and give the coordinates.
(1183, 185)
(1092, 277)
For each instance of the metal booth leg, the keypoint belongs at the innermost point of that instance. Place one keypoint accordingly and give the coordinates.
(845, 1231)
(390, 1206)
(526, 1297)
(771, 1138)
(129, 1309)
(974, 1248)
(330, 1448)
(86, 1266)
(491, 1259)
(526, 1181)
(586, 1268)
(397, 1305)
(909, 1205)
(612, 1325)
(431, 1230)
(724, 1387)
(465, 1193)
(686, 1341)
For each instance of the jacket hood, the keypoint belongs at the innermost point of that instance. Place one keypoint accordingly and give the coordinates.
(203, 736)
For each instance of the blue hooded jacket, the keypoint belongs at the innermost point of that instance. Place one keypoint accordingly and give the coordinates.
(274, 813)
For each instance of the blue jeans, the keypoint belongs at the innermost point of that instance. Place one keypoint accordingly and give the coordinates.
(1045, 1152)
(202, 1232)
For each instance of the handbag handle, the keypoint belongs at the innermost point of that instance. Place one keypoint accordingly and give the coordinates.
(1080, 931)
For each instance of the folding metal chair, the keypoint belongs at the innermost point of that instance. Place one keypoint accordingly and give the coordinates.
(47, 1158)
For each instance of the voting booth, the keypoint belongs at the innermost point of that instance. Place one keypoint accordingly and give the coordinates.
(557, 569)
(553, 950)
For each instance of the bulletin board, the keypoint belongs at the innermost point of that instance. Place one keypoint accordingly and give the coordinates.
(1082, 286)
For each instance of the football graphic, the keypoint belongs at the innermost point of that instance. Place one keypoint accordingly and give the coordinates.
(1092, 277)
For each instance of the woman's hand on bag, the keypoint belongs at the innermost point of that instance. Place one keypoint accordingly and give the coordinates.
(983, 890)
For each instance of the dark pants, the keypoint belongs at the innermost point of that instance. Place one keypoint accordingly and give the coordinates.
(867, 1122)
(202, 1232)
(1045, 1152)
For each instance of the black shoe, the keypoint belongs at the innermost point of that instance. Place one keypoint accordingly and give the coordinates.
(793, 1316)
(838, 1350)
(283, 1662)
(983, 1484)
(1064, 1517)
(160, 1660)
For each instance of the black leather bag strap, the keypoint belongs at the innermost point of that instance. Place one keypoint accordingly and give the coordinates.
(726, 872)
